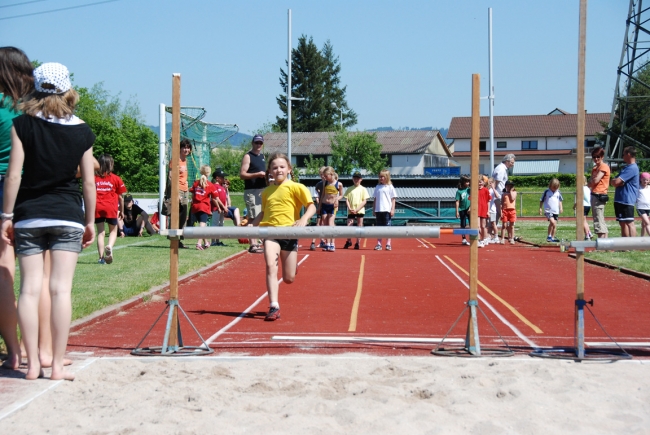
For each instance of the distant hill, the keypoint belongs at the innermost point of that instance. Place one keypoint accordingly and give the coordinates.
(238, 140)
(443, 131)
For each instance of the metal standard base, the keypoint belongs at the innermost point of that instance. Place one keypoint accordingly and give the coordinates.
(469, 351)
(165, 349)
(579, 353)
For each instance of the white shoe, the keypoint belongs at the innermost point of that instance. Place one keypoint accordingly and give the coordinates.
(481, 244)
(496, 240)
(465, 242)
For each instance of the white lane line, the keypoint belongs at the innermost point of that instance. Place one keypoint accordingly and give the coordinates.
(52, 384)
(115, 248)
(422, 243)
(494, 310)
(243, 313)
(377, 339)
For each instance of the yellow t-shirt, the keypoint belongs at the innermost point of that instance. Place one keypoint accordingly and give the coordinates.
(281, 204)
(356, 195)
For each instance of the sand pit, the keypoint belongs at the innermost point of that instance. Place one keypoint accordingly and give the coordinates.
(341, 394)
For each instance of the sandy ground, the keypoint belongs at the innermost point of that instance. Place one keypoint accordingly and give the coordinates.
(335, 394)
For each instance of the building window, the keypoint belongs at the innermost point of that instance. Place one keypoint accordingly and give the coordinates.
(502, 144)
(528, 144)
(482, 146)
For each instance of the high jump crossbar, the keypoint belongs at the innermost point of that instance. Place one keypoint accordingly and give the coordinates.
(312, 232)
(614, 244)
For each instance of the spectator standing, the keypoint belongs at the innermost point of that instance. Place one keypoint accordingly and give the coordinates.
(253, 172)
(509, 211)
(626, 193)
(599, 183)
(551, 204)
(202, 193)
(384, 208)
(643, 203)
(586, 207)
(332, 193)
(356, 197)
(317, 199)
(42, 206)
(483, 210)
(16, 81)
(218, 203)
(494, 218)
(500, 175)
(110, 205)
(463, 204)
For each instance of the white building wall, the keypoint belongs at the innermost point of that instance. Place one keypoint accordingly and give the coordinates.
(407, 164)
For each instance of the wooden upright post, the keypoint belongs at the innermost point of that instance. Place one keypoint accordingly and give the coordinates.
(175, 224)
(580, 178)
(472, 341)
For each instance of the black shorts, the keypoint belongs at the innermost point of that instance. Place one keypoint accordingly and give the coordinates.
(200, 216)
(382, 219)
(285, 244)
(624, 212)
(326, 209)
(110, 221)
(356, 215)
(586, 209)
(643, 211)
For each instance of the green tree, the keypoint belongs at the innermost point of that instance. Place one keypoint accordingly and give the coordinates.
(313, 165)
(121, 133)
(228, 159)
(355, 151)
(315, 77)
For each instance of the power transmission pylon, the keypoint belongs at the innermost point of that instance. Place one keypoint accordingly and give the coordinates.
(634, 58)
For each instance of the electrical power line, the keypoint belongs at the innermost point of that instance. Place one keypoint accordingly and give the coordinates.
(20, 4)
(58, 10)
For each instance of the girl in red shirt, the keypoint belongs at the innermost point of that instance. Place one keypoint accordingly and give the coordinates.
(483, 209)
(110, 204)
(202, 193)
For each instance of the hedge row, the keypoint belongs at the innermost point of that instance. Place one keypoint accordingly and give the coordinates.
(566, 180)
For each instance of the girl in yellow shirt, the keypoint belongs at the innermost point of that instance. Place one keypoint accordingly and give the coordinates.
(281, 204)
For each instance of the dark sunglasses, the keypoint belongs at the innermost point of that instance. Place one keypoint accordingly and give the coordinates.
(258, 143)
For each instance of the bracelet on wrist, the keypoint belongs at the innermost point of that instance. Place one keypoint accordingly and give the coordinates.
(7, 216)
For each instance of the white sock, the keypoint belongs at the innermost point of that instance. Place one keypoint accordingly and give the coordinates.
(275, 305)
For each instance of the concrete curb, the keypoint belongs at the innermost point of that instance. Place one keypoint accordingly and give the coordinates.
(624, 270)
(114, 309)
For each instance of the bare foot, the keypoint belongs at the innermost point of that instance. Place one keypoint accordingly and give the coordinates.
(12, 362)
(34, 372)
(65, 375)
(46, 362)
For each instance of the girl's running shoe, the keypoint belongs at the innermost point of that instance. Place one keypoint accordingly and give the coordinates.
(273, 314)
(108, 255)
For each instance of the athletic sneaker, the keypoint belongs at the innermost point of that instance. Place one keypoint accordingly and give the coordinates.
(481, 244)
(213, 244)
(495, 240)
(108, 254)
(312, 247)
(552, 240)
(465, 242)
(101, 261)
(512, 241)
(378, 247)
(322, 244)
(503, 241)
(388, 248)
(356, 245)
(273, 314)
(331, 248)
(347, 244)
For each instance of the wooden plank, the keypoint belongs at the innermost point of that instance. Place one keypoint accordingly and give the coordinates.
(173, 252)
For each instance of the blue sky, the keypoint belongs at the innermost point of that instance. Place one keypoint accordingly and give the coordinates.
(405, 63)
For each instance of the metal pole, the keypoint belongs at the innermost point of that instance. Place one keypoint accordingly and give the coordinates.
(162, 173)
(289, 89)
(341, 121)
(491, 95)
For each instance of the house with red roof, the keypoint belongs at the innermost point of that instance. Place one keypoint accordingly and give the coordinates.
(408, 152)
(542, 144)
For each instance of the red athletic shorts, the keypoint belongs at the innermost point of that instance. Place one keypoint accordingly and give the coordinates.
(509, 215)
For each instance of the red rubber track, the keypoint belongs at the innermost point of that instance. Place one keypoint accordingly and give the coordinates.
(407, 292)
